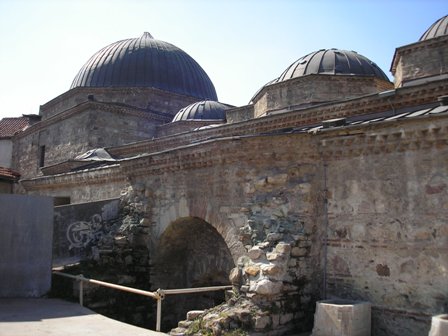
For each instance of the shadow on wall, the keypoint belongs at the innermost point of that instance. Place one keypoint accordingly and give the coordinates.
(190, 253)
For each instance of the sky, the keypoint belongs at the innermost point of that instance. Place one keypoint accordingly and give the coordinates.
(241, 44)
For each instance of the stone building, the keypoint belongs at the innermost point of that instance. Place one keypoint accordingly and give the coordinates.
(8, 128)
(331, 183)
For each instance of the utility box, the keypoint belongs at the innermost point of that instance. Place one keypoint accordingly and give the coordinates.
(342, 318)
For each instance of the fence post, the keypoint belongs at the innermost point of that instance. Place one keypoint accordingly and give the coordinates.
(159, 313)
(160, 297)
(81, 292)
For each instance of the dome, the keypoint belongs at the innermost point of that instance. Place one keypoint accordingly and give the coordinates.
(332, 62)
(146, 62)
(438, 28)
(203, 110)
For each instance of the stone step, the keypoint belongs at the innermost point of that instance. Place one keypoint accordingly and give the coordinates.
(192, 314)
(177, 332)
(184, 324)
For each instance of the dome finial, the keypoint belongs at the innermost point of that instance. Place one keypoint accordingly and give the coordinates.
(147, 35)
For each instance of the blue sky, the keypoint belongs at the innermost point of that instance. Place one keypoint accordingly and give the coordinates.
(240, 44)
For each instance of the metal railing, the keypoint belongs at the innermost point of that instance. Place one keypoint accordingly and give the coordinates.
(158, 295)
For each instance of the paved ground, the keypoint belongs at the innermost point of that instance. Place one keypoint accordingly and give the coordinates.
(53, 317)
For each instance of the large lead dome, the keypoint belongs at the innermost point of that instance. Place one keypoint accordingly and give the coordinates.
(146, 62)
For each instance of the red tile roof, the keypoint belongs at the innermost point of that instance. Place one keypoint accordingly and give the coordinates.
(10, 126)
(8, 174)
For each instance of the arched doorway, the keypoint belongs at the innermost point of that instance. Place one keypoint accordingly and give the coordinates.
(190, 253)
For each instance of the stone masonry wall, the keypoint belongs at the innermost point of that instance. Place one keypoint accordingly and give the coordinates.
(314, 89)
(387, 231)
(262, 195)
(387, 196)
(67, 138)
(62, 141)
(113, 246)
(144, 98)
(420, 60)
(184, 126)
(81, 187)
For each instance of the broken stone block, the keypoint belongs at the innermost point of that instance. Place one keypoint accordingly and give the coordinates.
(271, 269)
(192, 314)
(285, 318)
(274, 236)
(262, 322)
(263, 245)
(283, 248)
(298, 251)
(266, 287)
(252, 270)
(255, 253)
(235, 276)
(184, 324)
(274, 256)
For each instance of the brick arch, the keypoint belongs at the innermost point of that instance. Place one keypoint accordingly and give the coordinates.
(198, 207)
(190, 253)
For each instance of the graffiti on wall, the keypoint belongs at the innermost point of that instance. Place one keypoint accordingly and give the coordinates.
(82, 233)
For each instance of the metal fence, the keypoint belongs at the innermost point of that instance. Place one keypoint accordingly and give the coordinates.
(158, 295)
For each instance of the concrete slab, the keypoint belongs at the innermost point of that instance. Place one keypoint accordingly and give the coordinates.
(53, 317)
(26, 241)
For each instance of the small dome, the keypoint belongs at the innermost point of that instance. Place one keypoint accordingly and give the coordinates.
(203, 110)
(438, 28)
(146, 62)
(332, 62)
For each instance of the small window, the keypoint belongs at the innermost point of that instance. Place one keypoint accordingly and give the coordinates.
(41, 156)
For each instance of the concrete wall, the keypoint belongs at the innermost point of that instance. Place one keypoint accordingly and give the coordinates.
(79, 227)
(25, 245)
